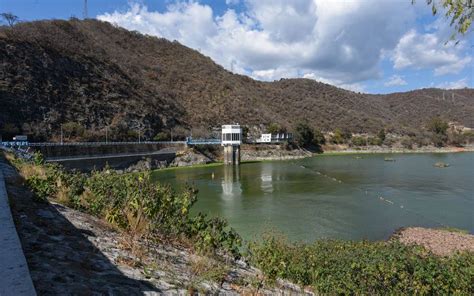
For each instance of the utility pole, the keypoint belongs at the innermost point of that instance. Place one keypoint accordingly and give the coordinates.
(62, 134)
(106, 139)
(85, 10)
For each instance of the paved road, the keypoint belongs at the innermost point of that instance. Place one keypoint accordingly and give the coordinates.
(15, 277)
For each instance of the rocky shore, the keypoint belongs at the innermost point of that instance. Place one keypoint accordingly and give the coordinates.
(344, 149)
(442, 242)
(271, 152)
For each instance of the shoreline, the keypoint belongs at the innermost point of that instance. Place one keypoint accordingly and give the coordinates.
(469, 149)
(398, 151)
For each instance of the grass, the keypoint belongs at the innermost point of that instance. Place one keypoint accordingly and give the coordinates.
(454, 229)
(209, 269)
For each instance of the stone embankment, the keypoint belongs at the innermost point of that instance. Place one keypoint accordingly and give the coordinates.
(271, 152)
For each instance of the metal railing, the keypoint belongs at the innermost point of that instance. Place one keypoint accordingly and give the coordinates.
(42, 144)
(15, 144)
(191, 141)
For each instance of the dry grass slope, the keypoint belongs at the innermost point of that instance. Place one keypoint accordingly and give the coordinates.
(98, 75)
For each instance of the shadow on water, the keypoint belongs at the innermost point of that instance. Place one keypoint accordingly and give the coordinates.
(62, 261)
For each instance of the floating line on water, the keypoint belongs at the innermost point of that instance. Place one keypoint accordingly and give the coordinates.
(381, 198)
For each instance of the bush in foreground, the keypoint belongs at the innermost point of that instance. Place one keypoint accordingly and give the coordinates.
(341, 267)
(132, 202)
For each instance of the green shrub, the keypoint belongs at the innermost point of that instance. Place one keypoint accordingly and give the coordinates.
(162, 136)
(43, 188)
(303, 134)
(346, 267)
(359, 141)
(374, 141)
(136, 204)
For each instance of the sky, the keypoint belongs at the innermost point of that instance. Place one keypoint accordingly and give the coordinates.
(372, 46)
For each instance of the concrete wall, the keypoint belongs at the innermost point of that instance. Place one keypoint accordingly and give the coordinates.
(15, 277)
(66, 150)
(119, 162)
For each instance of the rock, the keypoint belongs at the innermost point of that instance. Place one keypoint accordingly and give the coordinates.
(45, 214)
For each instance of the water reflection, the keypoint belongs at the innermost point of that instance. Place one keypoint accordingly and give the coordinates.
(231, 186)
(267, 180)
(294, 198)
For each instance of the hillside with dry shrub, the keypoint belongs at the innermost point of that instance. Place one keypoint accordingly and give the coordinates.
(100, 77)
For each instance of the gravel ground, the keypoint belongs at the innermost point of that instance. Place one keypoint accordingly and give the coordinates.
(439, 241)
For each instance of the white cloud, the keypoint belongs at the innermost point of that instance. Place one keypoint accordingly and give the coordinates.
(338, 41)
(232, 2)
(395, 80)
(462, 83)
(429, 51)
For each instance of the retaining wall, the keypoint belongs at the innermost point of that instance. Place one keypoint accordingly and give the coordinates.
(15, 276)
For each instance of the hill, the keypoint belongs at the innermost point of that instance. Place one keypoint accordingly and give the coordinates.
(101, 76)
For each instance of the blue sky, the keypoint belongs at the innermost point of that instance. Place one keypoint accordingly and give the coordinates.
(371, 46)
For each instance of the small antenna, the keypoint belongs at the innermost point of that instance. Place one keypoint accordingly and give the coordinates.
(84, 13)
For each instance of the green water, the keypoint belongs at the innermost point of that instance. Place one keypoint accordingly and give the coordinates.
(344, 197)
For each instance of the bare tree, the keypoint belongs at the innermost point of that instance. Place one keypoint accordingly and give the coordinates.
(10, 18)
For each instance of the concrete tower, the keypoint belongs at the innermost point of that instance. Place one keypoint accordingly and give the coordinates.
(231, 140)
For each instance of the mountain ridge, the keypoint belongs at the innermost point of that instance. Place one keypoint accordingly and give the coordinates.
(102, 76)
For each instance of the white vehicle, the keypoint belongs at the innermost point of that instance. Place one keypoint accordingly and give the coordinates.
(20, 138)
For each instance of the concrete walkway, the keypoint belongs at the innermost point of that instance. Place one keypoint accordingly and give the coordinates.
(15, 277)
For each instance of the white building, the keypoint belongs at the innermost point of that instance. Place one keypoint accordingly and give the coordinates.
(265, 138)
(275, 138)
(231, 135)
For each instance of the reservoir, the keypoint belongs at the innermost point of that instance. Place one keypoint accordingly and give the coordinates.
(339, 197)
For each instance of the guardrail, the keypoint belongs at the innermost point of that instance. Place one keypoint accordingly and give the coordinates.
(15, 144)
(41, 144)
(190, 141)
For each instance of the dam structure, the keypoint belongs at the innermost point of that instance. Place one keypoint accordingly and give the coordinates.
(231, 141)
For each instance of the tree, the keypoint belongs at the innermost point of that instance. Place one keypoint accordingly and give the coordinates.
(274, 128)
(461, 13)
(359, 141)
(303, 135)
(318, 138)
(338, 136)
(381, 135)
(9, 130)
(10, 18)
(162, 136)
(73, 130)
(438, 126)
(245, 132)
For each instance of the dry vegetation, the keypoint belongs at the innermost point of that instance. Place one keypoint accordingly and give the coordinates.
(97, 76)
